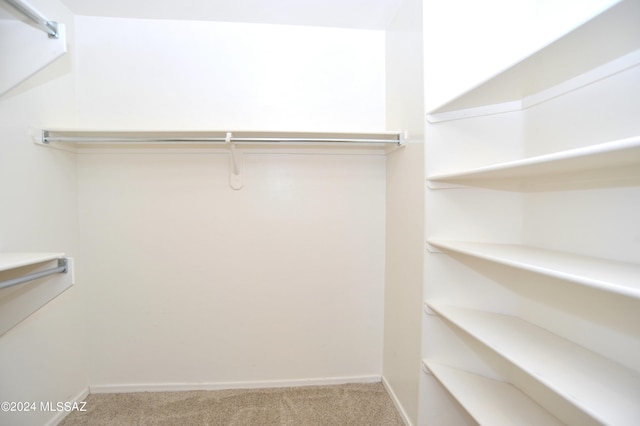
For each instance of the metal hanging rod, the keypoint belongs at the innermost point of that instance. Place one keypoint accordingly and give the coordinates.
(198, 137)
(63, 267)
(50, 27)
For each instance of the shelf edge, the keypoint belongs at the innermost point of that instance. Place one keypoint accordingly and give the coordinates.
(25, 259)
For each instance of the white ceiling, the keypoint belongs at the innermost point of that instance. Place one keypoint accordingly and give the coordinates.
(360, 14)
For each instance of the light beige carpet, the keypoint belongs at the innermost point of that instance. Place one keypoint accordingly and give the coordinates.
(350, 404)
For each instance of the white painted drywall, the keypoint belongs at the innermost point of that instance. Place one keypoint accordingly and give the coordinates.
(405, 210)
(193, 284)
(44, 357)
(182, 74)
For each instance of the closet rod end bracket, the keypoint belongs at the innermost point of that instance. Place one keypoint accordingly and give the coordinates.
(53, 29)
(38, 136)
(63, 262)
(400, 142)
(403, 137)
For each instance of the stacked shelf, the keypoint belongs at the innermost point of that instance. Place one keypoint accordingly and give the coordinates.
(606, 164)
(614, 277)
(491, 402)
(558, 68)
(605, 390)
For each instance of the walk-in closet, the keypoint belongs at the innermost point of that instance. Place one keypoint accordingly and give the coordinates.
(431, 203)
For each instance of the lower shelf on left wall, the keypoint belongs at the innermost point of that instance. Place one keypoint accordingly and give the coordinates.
(18, 301)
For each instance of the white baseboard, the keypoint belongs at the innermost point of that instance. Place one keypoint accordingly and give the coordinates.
(181, 387)
(396, 402)
(60, 415)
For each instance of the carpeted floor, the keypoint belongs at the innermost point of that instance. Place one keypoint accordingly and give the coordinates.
(351, 404)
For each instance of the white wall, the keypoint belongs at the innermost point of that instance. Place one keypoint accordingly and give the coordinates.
(193, 284)
(43, 358)
(173, 74)
(405, 209)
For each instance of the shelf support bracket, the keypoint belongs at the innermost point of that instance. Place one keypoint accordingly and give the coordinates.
(431, 248)
(236, 180)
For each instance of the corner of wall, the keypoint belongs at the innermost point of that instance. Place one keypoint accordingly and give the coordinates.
(404, 211)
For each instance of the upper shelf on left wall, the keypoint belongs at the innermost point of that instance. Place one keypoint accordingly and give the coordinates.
(28, 42)
(17, 260)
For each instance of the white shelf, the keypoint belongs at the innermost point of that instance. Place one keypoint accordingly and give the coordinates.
(614, 277)
(537, 73)
(491, 402)
(17, 260)
(605, 390)
(616, 162)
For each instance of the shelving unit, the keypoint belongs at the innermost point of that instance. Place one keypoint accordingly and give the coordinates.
(554, 94)
(490, 402)
(601, 388)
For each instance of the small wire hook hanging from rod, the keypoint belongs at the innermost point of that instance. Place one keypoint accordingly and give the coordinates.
(235, 178)
(232, 150)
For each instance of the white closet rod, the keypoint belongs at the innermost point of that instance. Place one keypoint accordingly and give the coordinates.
(123, 137)
(50, 27)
